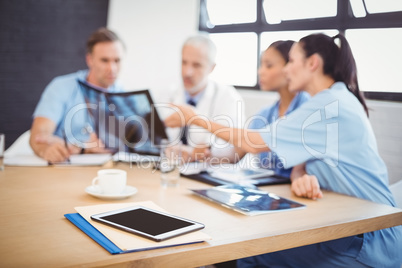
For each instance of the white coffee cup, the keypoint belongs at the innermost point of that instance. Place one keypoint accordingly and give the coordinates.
(111, 181)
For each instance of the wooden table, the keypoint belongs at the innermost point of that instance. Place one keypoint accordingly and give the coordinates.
(34, 232)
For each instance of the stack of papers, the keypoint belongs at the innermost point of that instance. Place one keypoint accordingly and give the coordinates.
(117, 241)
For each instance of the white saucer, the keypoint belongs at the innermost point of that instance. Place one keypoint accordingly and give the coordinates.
(95, 191)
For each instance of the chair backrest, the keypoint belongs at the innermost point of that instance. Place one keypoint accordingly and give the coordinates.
(20, 146)
(396, 189)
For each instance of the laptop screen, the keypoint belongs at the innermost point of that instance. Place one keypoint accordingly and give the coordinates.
(126, 121)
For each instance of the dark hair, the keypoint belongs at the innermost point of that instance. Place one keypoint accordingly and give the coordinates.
(283, 47)
(101, 35)
(339, 62)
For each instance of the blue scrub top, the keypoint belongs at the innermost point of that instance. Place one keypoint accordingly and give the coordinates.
(63, 102)
(268, 115)
(332, 134)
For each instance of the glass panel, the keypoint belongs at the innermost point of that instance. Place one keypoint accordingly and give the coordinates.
(236, 58)
(358, 8)
(231, 11)
(376, 6)
(279, 10)
(378, 58)
(268, 38)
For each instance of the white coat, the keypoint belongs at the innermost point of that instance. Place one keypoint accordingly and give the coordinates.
(219, 103)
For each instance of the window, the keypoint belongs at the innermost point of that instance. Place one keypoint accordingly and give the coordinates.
(268, 38)
(242, 29)
(378, 58)
(237, 60)
(277, 11)
(361, 8)
(223, 12)
(358, 8)
(375, 6)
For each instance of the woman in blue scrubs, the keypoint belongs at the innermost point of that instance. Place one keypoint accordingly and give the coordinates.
(272, 78)
(330, 140)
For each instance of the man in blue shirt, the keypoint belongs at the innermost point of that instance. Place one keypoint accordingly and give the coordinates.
(62, 123)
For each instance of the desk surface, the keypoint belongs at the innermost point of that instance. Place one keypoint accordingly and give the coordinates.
(34, 232)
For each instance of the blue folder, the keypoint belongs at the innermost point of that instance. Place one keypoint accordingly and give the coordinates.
(92, 232)
(102, 240)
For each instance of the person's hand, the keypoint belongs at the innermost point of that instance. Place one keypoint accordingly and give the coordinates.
(183, 115)
(201, 153)
(198, 153)
(53, 149)
(187, 153)
(306, 186)
(96, 146)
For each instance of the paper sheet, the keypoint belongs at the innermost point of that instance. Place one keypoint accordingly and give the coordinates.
(234, 173)
(25, 160)
(127, 241)
(75, 160)
(89, 159)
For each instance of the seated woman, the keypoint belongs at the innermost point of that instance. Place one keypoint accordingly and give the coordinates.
(332, 135)
(272, 78)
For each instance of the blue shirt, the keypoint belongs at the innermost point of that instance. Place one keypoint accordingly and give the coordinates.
(63, 102)
(267, 116)
(195, 99)
(332, 134)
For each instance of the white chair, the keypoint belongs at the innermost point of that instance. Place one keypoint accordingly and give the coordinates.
(396, 189)
(20, 146)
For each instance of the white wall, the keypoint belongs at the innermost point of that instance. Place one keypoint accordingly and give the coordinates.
(153, 32)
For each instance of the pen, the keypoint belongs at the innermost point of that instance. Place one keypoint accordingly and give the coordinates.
(65, 144)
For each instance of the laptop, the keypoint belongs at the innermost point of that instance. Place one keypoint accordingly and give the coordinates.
(127, 122)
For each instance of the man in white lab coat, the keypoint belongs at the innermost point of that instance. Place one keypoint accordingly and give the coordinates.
(220, 103)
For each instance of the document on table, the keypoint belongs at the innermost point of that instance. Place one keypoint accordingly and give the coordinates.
(235, 174)
(247, 200)
(127, 242)
(30, 160)
(87, 160)
(75, 160)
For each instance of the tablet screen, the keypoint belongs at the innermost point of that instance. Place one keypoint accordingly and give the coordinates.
(149, 223)
(146, 221)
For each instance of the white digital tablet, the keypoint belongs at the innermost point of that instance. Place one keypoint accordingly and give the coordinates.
(148, 223)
